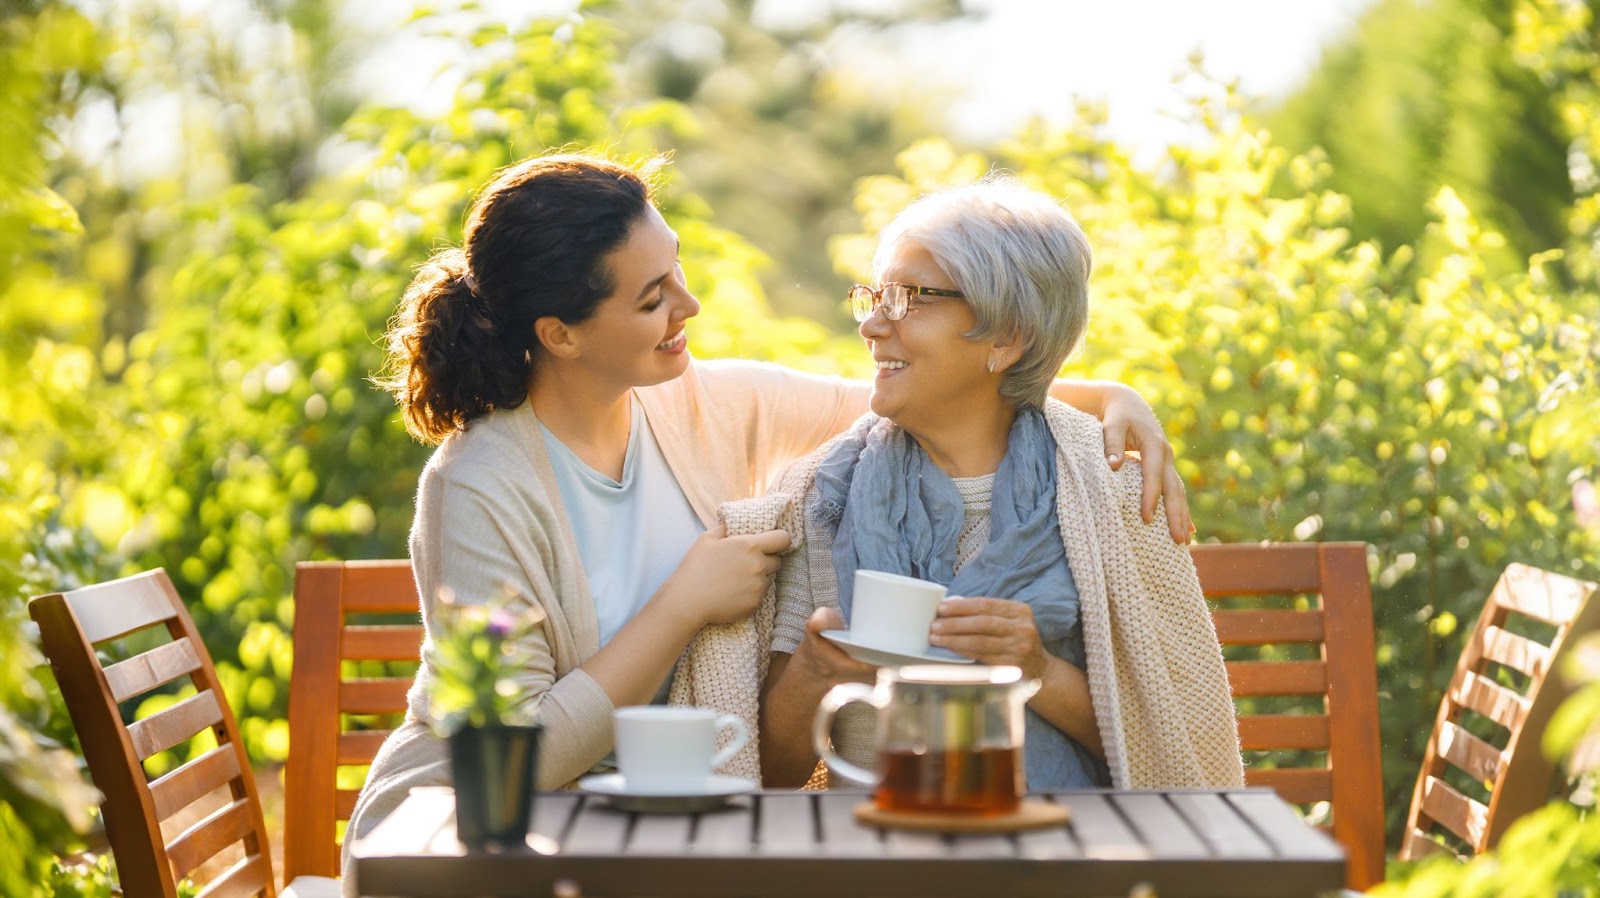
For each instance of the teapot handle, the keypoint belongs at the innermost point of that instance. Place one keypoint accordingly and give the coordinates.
(822, 727)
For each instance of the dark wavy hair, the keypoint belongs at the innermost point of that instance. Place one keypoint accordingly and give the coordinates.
(535, 242)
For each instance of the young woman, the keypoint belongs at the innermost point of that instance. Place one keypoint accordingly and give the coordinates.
(583, 453)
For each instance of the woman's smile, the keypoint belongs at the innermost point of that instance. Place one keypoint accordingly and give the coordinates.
(674, 345)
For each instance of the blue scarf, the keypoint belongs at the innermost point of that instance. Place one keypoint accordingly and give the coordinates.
(892, 509)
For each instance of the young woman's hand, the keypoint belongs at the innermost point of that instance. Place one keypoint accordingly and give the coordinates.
(992, 631)
(1130, 423)
(722, 578)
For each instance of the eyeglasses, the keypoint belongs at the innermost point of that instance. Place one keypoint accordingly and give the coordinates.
(894, 298)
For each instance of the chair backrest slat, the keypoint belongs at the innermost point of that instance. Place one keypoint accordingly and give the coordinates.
(175, 725)
(237, 881)
(1331, 615)
(134, 604)
(1258, 627)
(1265, 732)
(322, 696)
(1514, 708)
(70, 626)
(360, 746)
(1480, 694)
(1479, 759)
(1301, 785)
(1454, 811)
(380, 643)
(193, 780)
(157, 667)
(1516, 652)
(1278, 677)
(202, 841)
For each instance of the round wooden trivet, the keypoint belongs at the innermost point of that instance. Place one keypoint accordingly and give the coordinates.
(1031, 814)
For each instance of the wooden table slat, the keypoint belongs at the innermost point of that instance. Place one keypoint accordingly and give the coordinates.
(1281, 826)
(986, 845)
(1221, 826)
(552, 813)
(726, 831)
(1054, 843)
(787, 825)
(1161, 826)
(597, 828)
(661, 834)
(1100, 829)
(842, 835)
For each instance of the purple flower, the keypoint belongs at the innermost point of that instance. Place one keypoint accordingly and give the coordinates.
(501, 623)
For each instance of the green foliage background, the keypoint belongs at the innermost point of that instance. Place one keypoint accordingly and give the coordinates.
(184, 358)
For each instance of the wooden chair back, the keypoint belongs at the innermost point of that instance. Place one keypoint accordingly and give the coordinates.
(1310, 650)
(345, 613)
(146, 612)
(1505, 687)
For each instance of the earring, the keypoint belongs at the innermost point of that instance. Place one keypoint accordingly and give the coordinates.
(991, 366)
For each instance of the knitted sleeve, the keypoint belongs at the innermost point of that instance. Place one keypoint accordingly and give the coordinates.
(1189, 638)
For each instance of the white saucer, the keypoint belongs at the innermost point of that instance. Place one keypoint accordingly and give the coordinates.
(886, 658)
(714, 794)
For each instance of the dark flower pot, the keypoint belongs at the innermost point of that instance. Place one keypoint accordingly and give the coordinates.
(494, 768)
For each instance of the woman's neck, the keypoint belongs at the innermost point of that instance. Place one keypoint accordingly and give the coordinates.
(967, 444)
(591, 419)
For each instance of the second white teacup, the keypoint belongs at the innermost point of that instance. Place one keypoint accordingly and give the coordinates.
(672, 750)
(893, 612)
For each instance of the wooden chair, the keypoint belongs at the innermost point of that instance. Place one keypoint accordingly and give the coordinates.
(146, 614)
(1516, 774)
(334, 604)
(1318, 645)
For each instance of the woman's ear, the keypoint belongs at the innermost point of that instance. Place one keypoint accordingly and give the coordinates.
(557, 339)
(1004, 352)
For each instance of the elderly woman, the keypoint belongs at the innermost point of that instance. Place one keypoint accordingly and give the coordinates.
(965, 473)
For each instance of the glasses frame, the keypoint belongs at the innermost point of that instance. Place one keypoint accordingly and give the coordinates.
(895, 307)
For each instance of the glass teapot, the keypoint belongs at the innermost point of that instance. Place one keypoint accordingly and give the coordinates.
(949, 737)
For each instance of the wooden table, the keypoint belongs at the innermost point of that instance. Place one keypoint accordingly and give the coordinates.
(1236, 844)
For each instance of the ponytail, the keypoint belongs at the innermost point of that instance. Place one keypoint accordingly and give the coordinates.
(447, 364)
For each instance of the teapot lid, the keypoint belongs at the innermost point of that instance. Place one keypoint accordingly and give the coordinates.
(958, 675)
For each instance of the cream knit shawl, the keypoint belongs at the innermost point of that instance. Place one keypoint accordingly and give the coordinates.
(1156, 676)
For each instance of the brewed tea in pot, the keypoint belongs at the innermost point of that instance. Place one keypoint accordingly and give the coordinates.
(950, 739)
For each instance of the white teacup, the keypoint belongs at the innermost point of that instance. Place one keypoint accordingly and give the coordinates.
(672, 750)
(892, 612)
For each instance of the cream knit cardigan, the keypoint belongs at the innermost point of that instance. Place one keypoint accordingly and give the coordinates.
(489, 514)
(1156, 677)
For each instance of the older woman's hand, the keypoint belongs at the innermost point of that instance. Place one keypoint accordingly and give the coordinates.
(992, 631)
(1130, 423)
(821, 661)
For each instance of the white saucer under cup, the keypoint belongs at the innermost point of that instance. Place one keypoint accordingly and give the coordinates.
(867, 654)
(714, 793)
(892, 612)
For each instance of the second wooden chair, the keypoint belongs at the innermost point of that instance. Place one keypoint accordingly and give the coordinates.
(1311, 647)
(1506, 686)
(345, 613)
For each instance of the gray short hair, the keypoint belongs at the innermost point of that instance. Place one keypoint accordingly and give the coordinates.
(1022, 262)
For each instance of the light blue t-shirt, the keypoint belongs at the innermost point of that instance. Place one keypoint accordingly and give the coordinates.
(631, 535)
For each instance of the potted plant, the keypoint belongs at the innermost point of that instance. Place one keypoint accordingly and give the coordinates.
(476, 703)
